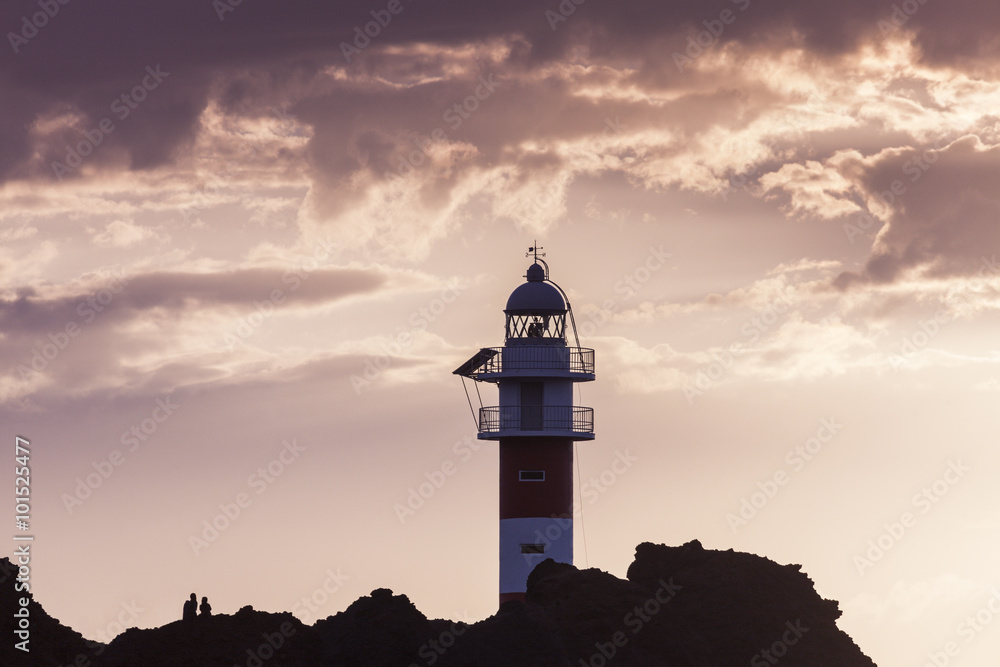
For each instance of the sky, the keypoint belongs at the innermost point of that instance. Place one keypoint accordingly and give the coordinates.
(244, 244)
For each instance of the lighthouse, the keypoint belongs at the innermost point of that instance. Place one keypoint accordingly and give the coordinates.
(535, 423)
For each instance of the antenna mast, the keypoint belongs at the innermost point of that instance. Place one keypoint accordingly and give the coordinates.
(534, 250)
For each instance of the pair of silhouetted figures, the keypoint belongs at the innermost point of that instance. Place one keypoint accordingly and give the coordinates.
(191, 608)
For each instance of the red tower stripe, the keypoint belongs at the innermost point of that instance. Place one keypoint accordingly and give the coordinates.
(550, 498)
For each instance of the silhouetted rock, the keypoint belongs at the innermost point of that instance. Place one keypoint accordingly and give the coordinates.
(760, 603)
(380, 630)
(50, 642)
(517, 634)
(679, 607)
(247, 637)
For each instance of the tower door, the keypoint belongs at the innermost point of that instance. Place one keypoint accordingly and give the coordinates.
(531, 406)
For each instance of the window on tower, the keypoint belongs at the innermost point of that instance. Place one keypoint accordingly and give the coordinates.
(532, 548)
(536, 326)
(531, 476)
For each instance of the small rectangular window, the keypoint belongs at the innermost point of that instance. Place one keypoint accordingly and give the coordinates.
(532, 548)
(532, 476)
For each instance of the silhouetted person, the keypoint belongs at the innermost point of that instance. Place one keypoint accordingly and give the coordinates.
(206, 609)
(191, 608)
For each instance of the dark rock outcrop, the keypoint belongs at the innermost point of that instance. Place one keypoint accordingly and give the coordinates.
(49, 642)
(247, 637)
(754, 602)
(680, 606)
(381, 630)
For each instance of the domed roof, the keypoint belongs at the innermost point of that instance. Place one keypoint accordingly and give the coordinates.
(535, 296)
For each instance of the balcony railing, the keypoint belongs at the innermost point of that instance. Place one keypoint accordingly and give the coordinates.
(545, 419)
(526, 358)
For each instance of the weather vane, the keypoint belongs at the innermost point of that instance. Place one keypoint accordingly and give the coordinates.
(534, 249)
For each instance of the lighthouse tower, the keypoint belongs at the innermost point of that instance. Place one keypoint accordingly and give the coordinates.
(536, 424)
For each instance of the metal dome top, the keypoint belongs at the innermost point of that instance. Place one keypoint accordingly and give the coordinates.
(536, 273)
(535, 296)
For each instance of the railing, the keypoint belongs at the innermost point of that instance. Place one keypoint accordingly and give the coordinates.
(496, 418)
(531, 358)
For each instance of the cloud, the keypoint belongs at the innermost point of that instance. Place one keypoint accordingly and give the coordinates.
(791, 349)
(816, 189)
(177, 293)
(261, 57)
(28, 265)
(941, 209)
(456, 115)
(123, 233)
(907, 601)
(792, 326)
(137, 328)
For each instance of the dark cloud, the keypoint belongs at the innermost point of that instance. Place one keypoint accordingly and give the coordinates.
(251, 58)
(178, 294)
(944, 212)
(130, 332)
(300, 286)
